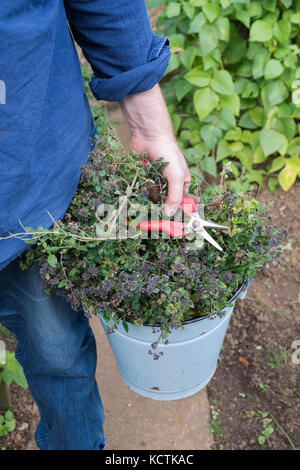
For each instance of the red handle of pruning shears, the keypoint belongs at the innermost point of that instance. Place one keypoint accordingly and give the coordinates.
(174, 229)
(188, 205)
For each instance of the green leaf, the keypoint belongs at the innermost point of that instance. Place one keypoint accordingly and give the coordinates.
(259, 156)
(209, 166)
(221, 28)
(235, 134)
(208, 40)
(173, 9)
(285, 126)
(282, 31)
(52, 260)
(295, 18)
(210, 134)
(268, 431)
(198, 77)
(247, 137)
(205, 101)
(20, 378)
(176, 41)
(226, 120)
(294, 147)
(222, 83)
(272, 185)
(288, 174)
(193, 154)
(236, 147)
(225, 3)
(125, 325)
(242, 15)
(197, 3)
(176, 120)
(237, 47)
(187, 57)
(182, 88)
(246, 159)
(273, 69)
(173, 64)
(257, 116)
(189, 11)
(245, 69)
(10, 425)
(276, 92)
(258, 64)
(277, 164)
(223, 150)
(231, 102)
(8, 415)
(261, 31)
(261, 440)
(196, 23)
(246, 121)
(211, 11)
(62, 283)
(270, 5)
(255, 176)
(271, 141)
(254, 9)
(287, 3)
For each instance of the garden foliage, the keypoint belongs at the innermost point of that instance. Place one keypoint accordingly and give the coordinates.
(233, 86)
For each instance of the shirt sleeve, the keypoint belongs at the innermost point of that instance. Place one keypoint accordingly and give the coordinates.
(118, 42)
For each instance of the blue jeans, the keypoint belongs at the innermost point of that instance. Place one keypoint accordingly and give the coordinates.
(57, 350)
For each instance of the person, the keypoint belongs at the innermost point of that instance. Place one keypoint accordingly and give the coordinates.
(46, 134)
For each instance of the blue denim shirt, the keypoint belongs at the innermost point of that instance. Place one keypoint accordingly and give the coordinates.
(45, 121)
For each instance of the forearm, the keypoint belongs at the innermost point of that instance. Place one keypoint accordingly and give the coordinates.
(147, 116)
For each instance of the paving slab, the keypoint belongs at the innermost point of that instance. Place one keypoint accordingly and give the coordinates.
(135, 423)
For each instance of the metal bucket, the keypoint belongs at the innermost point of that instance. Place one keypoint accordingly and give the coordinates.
(188, 362)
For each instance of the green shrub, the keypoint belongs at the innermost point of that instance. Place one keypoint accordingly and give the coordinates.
(7, 423)
(12, 371)
(233, 86)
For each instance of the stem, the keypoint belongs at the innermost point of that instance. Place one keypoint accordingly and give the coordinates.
(124, 200)
(284, 432)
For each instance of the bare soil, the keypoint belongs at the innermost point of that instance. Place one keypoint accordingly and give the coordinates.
(256, 373)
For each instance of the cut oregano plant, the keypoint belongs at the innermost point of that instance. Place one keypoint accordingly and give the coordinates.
(137, 279)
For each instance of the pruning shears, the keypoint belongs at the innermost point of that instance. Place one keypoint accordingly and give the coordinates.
(178, 229)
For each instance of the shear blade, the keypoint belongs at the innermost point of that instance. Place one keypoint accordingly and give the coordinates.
(208, 238)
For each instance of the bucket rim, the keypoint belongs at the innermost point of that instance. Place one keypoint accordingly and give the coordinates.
(212, 314)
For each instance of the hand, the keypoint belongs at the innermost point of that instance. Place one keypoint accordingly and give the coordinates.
(176, 172)
(151, 131)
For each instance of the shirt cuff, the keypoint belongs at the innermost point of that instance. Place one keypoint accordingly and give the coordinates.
(138, 79)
